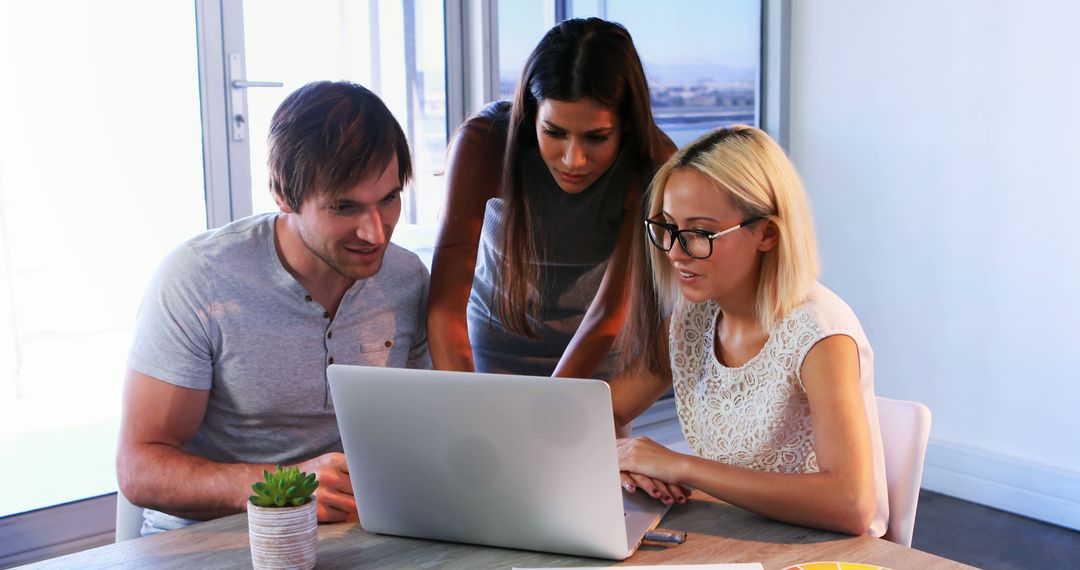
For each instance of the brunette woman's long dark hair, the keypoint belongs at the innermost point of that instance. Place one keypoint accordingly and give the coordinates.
(577, 59)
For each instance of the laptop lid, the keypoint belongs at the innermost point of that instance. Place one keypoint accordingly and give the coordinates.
(511, 461)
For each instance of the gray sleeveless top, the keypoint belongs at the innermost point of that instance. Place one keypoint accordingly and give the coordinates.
(575, 235)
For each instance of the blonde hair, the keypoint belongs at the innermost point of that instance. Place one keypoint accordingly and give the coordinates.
(756, 175)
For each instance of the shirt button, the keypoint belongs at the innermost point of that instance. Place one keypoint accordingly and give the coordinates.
(307, 298)
(388, 343)
(326, 314)
(331, 360)
(329, 334)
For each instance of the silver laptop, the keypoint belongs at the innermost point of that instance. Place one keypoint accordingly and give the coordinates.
(511, 461)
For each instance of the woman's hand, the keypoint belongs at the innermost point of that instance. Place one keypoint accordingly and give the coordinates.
(651, 467)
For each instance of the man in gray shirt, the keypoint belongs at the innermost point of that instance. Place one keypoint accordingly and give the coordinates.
(227, 371)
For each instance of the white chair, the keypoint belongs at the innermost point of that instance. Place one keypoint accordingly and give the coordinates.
(905, 429)
(129, 519)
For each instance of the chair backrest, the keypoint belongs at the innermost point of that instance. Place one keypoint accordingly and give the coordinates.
(129, 519)
(905, 430)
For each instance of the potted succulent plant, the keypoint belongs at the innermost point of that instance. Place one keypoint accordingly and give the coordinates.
(282, 522)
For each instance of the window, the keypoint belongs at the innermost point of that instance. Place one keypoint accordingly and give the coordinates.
(521, 25)
(701, 57)
(100, 175)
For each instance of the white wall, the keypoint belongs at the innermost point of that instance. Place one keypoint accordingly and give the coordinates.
(940, 144)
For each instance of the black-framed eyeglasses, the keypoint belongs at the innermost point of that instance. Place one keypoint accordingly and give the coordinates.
(696, 243)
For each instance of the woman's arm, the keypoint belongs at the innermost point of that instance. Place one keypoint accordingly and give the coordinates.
(841, 497)
(635, 389)
(604, 319)
(632, 392)
(473, 176)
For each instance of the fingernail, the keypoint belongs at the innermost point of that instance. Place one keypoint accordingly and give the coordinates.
(629, 487)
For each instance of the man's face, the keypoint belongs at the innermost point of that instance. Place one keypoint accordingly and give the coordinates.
(350, 232)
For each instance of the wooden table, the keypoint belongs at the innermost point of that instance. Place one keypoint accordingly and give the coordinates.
(717, 532)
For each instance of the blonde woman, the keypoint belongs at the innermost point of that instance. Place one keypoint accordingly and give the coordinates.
(772, 374)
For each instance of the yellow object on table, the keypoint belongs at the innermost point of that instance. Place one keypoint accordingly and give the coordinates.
(835, 566)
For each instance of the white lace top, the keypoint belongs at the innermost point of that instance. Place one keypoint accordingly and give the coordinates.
(757, 415)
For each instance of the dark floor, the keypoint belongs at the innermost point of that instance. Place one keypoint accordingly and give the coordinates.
(957, 529)
(989, 538)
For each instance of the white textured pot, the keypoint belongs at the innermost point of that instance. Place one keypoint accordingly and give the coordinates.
(285, 537)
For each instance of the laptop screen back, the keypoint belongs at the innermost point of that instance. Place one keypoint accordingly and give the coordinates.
(511, 461)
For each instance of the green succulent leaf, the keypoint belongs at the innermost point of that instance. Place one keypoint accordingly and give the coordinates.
(284, 487)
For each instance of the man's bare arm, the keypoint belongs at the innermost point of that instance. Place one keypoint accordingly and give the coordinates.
(153, 471)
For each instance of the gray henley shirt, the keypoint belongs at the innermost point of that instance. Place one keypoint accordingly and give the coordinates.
(222, 314)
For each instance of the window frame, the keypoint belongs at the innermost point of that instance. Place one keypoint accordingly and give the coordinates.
(220, 28)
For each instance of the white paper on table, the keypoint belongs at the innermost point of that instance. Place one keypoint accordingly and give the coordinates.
(749, 566)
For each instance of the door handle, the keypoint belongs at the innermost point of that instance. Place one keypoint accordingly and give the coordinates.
(237, 100)
(242, 84)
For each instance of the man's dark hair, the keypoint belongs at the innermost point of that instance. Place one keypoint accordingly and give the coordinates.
(327, 137)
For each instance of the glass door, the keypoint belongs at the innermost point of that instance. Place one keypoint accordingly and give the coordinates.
(395, 48)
